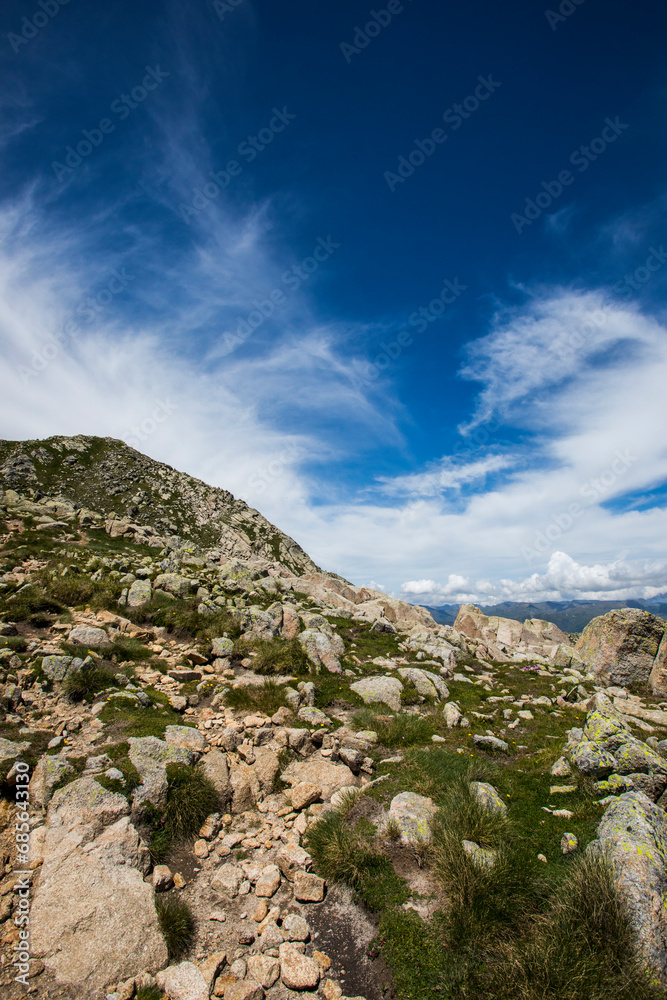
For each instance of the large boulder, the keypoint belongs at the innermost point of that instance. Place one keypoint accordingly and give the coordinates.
(621, 647)
(658, 678)
(328, 777)
(174, 584)
(89, 635)
(426, 682)
(633, 837)
(139, 593)
(260, 624)
(93, 918)
(320, 650)
(379, 690)
(413, 815)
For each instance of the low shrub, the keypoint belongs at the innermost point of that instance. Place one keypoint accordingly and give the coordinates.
(83, 685)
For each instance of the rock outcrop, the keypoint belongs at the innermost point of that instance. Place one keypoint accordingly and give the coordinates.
(622, 646)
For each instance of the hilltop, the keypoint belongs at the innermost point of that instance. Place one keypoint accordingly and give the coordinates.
(251, 779)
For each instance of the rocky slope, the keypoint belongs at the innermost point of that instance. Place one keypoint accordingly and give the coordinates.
(221, 749)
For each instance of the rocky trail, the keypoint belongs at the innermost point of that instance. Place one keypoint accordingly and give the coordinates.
(251, 779)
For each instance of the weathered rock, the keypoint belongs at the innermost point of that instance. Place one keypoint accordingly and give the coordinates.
(452, 714)
(246, 989)
(413, 815)
(139, 593)
(621, 646)
(56, 668)
(304, 793)
(633, 837)
(592, 759)
(426, 682)
(561, 769)
(569, 843)
(268, 882)
(308, 888)
(45, 777)
(298, 972)
(87, 635)
(10, 750)
(150, 756)
(109, 927)
(491, 743)
(259, 623)
(214, 766)
(383, 690)
(635, 756)
(320, 650)
(228, 879)
(488, 797)
(290, 859)
(264, 970)
(657, 681)
(183, 982)
(222, 647)
(295, 927)
(313, 716)
(482, 857)
(174, 584)
(321, 772)
(245, 786)
(211, 966)
(185, 736)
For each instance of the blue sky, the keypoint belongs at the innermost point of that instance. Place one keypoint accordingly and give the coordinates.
(393, 274)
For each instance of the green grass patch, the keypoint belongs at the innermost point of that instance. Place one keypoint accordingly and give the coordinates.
(266, 699)
(400, 730)
(83, 685)
(126, 718)
(274, 656)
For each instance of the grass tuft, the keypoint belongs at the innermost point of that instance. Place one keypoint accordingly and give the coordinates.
(176, 923)
(266, 699)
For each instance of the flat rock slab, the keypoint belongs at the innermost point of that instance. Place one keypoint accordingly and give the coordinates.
(379, 690)
(413, 814)
(491, 743)
(321, 772)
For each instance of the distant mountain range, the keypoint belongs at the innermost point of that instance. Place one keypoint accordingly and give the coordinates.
(571, 616)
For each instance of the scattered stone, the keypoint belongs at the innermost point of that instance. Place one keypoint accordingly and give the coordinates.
(87, 635)
(482, 857)
(488, 797)
(561, 769)
(268, 882)
(290, 859)
(491, 743)
(304, 793)
(162, 878)
(569, 843)
(298, 972)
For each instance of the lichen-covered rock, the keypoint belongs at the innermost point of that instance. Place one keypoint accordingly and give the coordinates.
(606, 729)
(633, 836)
(592, 759)
(413, 814)
(320, 650)
(480, 856)
(492, 743)
(150, 756)
(657, 681)
(621, 646)
(89, 636)
(379, 690)
(10, 750)
(452, 715)
(139, 593)
(46, 776)
(222, 647)
(185, 736)
(56, 667)
(488, 797)
(259, 623)
(635, 756)
(426, 682)
(174, 584)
